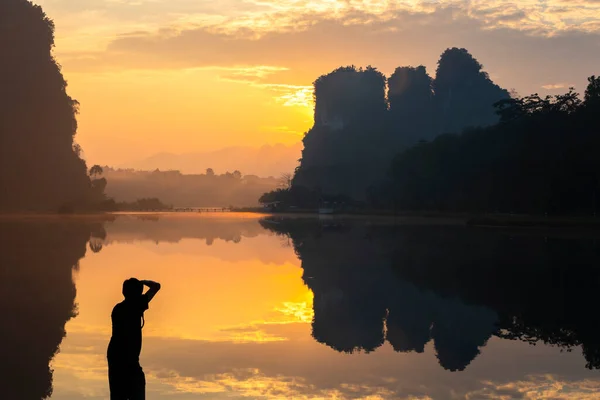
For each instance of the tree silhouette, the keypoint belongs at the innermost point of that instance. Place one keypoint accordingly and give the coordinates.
(285, 181)
(592, 93)
(40, 167)
(541, 158)
(96, 170)
(98, 188)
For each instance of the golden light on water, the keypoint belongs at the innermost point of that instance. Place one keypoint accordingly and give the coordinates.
(234, 320)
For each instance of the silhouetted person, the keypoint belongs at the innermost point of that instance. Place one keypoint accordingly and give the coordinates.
(125, 375)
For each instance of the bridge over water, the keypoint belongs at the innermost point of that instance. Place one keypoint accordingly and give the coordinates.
(201, 209)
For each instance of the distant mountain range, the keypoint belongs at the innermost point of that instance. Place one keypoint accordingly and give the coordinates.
(268, 160)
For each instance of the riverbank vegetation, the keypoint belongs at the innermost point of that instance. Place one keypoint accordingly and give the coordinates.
(456, 143)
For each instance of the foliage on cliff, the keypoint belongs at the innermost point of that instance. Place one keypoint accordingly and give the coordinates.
(40, 164)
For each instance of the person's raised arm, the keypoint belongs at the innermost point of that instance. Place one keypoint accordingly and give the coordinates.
(153, 288)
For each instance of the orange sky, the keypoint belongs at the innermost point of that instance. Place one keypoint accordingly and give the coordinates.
(195, 75)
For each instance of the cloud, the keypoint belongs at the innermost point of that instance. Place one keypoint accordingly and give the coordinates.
(252, 73)
(555, 86)
(296, 57)
(258, 76)
(257, 17)
(302, 368)
(296, 95)
(301, 39)
(282, 46)
(538, 387)
(254, 384)
(288, 313)
(247, 334)
(297, 311)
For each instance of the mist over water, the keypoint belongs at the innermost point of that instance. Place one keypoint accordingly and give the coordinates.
(302, 308)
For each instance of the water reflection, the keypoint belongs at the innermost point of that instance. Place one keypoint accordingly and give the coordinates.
(304, 309)
(174, 228)
(37, 298)
(409, 284)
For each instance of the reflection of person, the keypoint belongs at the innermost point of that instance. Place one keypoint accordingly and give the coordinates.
(125, 375)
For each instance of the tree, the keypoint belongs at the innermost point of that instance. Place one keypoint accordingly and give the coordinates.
(285, 181)
(210, 172)
(592, 93)
(237, 174)
(98, 188)
(96, 170)
(516, 108)
(541, 158)
(77, 150)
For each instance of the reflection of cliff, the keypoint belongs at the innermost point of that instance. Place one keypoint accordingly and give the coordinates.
(411, 284)
(359, 302)
(543, 287)
(349, 308)
(37, 297)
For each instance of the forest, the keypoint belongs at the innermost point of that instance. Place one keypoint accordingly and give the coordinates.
(457, 142)
(540, 158)
(186, 190)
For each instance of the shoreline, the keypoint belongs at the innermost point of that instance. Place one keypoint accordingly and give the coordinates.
(467, 219)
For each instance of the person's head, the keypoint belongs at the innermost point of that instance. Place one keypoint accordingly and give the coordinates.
(132, 288)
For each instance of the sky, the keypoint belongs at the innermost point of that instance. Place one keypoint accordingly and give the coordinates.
(186, 76)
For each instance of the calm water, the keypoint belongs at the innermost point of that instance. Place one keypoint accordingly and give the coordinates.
(302, 309)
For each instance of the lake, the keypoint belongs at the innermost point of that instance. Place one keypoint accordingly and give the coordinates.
(308, 308)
